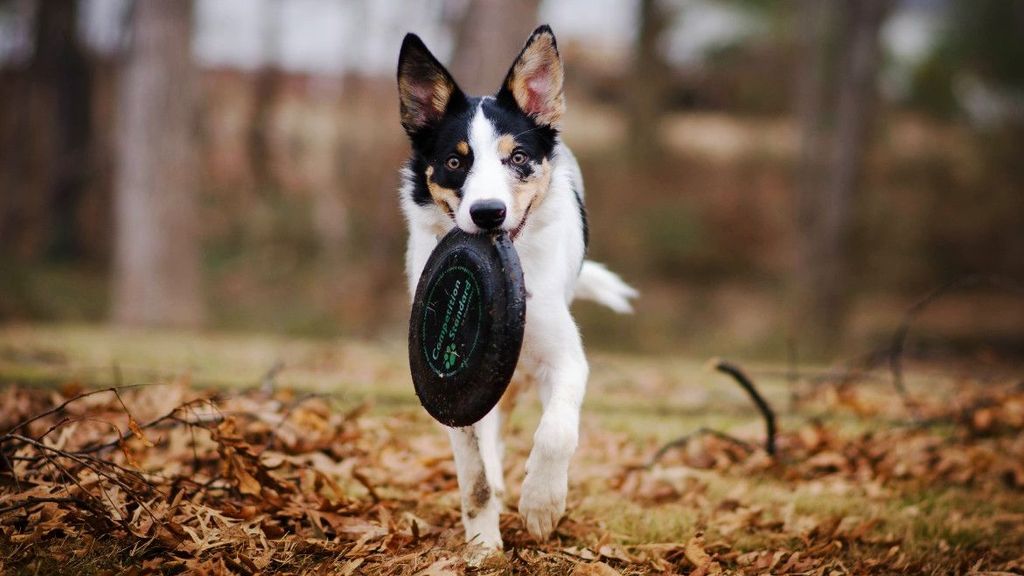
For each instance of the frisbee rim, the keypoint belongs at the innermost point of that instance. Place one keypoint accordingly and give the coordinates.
(467, 394)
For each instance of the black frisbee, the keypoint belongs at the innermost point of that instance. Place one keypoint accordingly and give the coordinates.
(466, 328)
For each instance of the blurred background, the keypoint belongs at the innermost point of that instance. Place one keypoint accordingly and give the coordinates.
(773, 176)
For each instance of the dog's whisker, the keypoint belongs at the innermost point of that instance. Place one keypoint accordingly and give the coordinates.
(534, 129)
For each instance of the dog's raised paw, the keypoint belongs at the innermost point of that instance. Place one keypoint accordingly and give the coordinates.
(542, 503)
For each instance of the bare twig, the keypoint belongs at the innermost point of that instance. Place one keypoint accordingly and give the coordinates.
(9, 466)
(91, 463)
(63, 405)
(63, 471)
(269, 380)
(686, 438)
(274, 435)
(762, 405)
(899, 337)
(792, 371)
(170, 416)
(60, 423)
(362, 479)
(29, 502)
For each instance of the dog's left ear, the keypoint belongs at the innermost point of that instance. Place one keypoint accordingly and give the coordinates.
(534, 83)
(425, 87)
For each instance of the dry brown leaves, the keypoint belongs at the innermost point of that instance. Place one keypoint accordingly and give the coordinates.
(247, 483)
(184, 481)
(974, 441)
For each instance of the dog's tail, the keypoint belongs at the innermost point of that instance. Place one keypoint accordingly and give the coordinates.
(603, 286)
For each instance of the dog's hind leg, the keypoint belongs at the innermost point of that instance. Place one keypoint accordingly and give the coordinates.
(481, 483)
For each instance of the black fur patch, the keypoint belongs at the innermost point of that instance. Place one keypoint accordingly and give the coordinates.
(432, 145)
(583, 218)
(537, 141)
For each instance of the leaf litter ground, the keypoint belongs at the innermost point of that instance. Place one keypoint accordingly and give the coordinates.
(167, 474)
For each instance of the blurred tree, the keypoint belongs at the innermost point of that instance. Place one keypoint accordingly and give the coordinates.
(989, 36)
(836, 97)
(64, 67)
(646, 97)
(981, 44)
(265, 88)
(813, 24)
(976, 74)
(157, 269)
(50, 139)
(487, 39)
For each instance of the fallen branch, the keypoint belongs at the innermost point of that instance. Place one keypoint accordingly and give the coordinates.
(29, 502)
(792, 372)
(269, 380)
(65, 403)
(95, 465)
(686, 438)
(272, 439)
(762, 405)
(899, 337)
(362, 479)
(171, 416)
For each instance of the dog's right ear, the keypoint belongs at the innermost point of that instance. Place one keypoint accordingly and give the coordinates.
(534, 83)
(425, 88)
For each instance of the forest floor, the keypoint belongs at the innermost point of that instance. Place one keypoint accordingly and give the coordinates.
(255, 454)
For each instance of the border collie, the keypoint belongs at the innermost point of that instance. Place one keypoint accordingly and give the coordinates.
(497, 162)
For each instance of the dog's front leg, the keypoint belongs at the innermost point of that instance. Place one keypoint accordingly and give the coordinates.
(562, 375)
(481, 484)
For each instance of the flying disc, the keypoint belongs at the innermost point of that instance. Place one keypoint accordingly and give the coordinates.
(466, 328)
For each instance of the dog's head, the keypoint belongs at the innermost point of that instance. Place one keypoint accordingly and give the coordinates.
(483, 161)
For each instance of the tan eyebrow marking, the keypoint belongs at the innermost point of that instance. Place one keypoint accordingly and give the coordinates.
(462, 147)
(506, 144)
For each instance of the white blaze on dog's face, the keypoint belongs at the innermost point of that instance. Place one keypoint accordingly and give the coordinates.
(485, 162)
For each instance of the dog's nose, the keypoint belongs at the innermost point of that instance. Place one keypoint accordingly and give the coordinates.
(487, 214)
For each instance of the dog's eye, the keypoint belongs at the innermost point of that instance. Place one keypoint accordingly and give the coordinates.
(519, 157)
(453, 162)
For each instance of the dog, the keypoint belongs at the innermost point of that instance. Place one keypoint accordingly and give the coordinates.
(497, 162)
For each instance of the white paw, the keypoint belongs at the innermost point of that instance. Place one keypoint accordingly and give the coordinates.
(542, 502)
(478, 552)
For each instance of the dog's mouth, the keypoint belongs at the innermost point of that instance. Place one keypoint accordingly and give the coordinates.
(514, 233)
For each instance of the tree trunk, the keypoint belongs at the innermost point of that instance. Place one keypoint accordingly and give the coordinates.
(47, 156)
(264, 94)
(157, 269)
(854, 110)
(826, 205)
(646, 96)
(488, 39)
(815, 23)
(63, 57)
